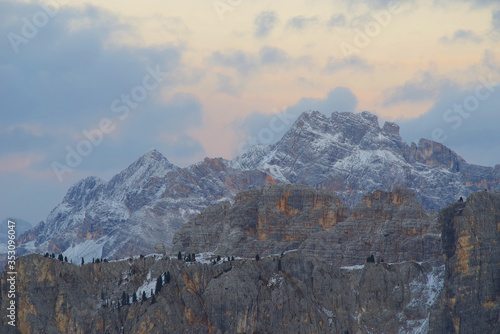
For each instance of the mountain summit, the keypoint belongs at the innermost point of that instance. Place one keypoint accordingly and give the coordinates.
(350, 154)
(347, 153)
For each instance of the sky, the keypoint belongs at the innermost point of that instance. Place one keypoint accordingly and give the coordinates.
(86, 87)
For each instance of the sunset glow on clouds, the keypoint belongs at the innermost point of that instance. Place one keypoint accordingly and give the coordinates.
(431, 66)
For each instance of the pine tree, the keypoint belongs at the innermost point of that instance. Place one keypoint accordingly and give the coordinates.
(279, 264)
(60, 257)
(179, 256)
(257, 257)
(218, 258)
(167, 277)
(83, 261)
(370, 258)
(53, 256)
(193, 257)
(144, 297)
(189, 258)
(134, 297)
(65, 259)
(97, 260)
(232, 258)
(159, 284)
(153, 300)
(124, 298)
(46, 255)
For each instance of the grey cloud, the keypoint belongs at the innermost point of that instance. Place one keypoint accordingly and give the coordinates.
(301, 22)
(461, 36)
(334, 65)
(338, 99)
(337, 20)
(237, 59)
(265, 23)
(272, 56)
(17, 140)
(225, 84)
(473, 136)
(495, 20)
(182, 147)
(426, 85)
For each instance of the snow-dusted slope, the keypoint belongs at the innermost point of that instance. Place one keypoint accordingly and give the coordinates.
(139, 207)
(351, 154)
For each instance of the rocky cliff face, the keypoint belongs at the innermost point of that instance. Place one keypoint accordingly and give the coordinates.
(392, 226)
(289, 294)
(271, 220)
(298, 291)
(471, 237)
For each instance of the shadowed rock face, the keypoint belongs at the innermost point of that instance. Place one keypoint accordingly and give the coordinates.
(264, 221)
(471, 248)
(390, 225)
(292, 293)
(289, 294)
(274, 219)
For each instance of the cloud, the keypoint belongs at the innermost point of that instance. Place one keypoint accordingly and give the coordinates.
(236, 59)
(182, 146)
(20, 139)
(461, 36)
(225, 84)
(338, 99)
(489, 60)
(272, 56)
(495, 20)
(464, 120)
(337, 20)
(67, 78)
(265, 23)
(68, 72)
(334, 64)
(424, 86)
(301, 22)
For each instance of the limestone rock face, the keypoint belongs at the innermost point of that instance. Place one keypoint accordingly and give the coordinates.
(471, 248)
(288, 294)
(274, 219)
(268, 220)
(392, 226)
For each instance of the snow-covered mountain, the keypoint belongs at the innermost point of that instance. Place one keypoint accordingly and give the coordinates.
(139, 207)
(350, 154)
(347, 153)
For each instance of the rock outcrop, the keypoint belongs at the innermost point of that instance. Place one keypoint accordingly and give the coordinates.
(392, 226)
(294, 292)
(274, 219)
(289, 294)
(268, 220)
(471, 247)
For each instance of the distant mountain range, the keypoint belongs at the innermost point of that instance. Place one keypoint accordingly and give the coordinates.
(347, 153)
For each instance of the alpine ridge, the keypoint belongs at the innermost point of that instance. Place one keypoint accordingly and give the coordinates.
(347, 153)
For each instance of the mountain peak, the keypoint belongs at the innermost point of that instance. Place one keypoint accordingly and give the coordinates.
(150, 164)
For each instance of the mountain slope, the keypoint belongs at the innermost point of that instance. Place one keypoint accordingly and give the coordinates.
(141, 206)
(347, 153)
(350, 154)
